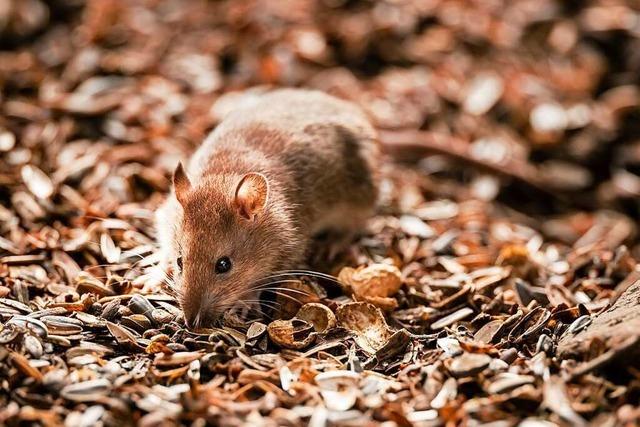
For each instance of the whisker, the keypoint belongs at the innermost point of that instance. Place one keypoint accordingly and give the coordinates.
(134, 265)
(257, 301)
(167, 278)
(302, 273)
(266, 286)
(251, 309)
(295, 291)
(270, 304)
(311, 273)
(286, 296)
(258, 310)
(91, 267)
(277, 280)
(273, 305)
(170, 288)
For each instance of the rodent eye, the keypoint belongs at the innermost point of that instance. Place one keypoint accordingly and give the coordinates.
(179, 262)
(223, 265)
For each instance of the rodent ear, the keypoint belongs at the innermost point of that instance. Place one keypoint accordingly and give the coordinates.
(181, 183)
(251, 195)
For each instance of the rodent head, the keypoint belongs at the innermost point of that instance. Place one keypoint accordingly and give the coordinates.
(226, 241)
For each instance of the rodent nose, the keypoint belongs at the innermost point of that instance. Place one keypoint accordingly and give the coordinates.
(197, 320)
(189, 323)
(191, 320)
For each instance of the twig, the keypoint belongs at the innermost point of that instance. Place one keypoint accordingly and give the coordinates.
(404, 143)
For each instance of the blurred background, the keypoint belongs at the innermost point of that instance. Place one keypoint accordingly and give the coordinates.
(100, 98)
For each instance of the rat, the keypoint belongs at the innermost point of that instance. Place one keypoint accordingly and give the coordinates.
(271, 175)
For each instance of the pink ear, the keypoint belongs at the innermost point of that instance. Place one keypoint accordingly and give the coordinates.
(251, 195)
(181, 184)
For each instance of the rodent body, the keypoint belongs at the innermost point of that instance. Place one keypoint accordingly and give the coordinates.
(269, 177)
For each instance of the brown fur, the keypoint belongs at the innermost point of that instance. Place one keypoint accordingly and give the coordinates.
(319, 157)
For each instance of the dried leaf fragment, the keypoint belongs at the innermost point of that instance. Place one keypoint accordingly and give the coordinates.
(158, 344)
(557, 400)
(121, 334)
(23, 365)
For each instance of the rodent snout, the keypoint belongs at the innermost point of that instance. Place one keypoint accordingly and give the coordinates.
(196, 318)
(190, 321)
